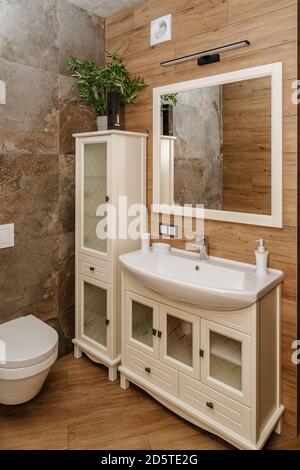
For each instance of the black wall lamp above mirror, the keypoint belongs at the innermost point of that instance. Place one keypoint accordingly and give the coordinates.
(206, 57)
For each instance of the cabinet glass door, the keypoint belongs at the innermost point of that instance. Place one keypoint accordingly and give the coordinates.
(179, 342)
(95, 190)
(226, 360)
(95, 305)
(142, 327)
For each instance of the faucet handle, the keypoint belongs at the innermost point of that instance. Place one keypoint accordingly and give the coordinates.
(201, 239)
(201, 244)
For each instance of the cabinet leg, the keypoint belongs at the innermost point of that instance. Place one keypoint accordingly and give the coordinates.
(113, 373)
(124, 382)
(278, 428)
(77, 352)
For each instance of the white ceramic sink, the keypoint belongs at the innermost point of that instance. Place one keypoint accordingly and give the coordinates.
(216, 284)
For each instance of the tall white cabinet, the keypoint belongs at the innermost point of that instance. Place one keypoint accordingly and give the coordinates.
(109, 165)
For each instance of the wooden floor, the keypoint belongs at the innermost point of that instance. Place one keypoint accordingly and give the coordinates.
(79, 408)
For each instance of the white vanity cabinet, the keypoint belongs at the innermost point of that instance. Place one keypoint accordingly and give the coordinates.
(108, 165)
(219, 370)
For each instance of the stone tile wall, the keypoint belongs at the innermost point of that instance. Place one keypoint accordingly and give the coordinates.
(198, 171)
(37, 155)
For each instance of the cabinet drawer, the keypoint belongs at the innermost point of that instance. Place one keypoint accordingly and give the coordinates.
(152, 370)
(228, 412)
(95, 268)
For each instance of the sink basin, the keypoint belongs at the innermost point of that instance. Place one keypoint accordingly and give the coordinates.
(215, 284)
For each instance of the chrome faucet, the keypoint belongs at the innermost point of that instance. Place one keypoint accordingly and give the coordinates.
(202, 244)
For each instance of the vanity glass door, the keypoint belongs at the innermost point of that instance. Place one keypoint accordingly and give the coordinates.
(226, 361)
(95, 312)
(179, 340)
(142, 324)
(94, 197)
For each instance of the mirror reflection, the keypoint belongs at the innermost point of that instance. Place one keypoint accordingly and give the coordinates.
(215, 147)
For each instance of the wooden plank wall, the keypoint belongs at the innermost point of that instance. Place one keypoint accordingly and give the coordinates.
(246, 122)
(271, 27)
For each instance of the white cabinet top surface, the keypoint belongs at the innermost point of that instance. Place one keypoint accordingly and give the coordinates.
(110, 132)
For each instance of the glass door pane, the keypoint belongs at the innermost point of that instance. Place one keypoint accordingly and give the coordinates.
(142, 323)
(226, 360)
(180, 340)
(95, 313)
(141, 326)
(95, 192)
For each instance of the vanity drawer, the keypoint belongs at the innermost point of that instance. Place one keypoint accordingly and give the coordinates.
(152, 370)
(95, 268)
(213, 404)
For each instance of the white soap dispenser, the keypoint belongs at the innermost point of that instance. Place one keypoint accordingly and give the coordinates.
(262, 257)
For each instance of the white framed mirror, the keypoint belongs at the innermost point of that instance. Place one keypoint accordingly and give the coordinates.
(217, 141)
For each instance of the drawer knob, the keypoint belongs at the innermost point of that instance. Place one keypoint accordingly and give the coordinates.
(147, 369)
(92, 269)
(210, 405)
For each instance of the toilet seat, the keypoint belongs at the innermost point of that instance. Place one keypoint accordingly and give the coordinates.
(29, 371)
(26, 342)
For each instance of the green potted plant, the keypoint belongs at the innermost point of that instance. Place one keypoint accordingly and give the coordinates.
(106, 89)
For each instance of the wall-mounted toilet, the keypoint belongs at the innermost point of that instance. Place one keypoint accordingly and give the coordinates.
(28, 349)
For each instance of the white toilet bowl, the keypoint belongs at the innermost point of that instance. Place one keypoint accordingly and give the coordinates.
(28, 349)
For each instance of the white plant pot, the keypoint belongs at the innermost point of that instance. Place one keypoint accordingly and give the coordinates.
(102, 123)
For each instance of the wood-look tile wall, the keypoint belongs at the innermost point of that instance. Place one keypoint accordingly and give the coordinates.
(271, 27)
(246, 149)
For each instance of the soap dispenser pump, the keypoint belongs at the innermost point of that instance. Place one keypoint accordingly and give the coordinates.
(262, 257)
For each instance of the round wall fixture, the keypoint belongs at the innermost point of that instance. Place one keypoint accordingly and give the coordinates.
(161, 30)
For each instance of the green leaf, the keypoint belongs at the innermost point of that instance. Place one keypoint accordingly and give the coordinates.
(94, 83)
